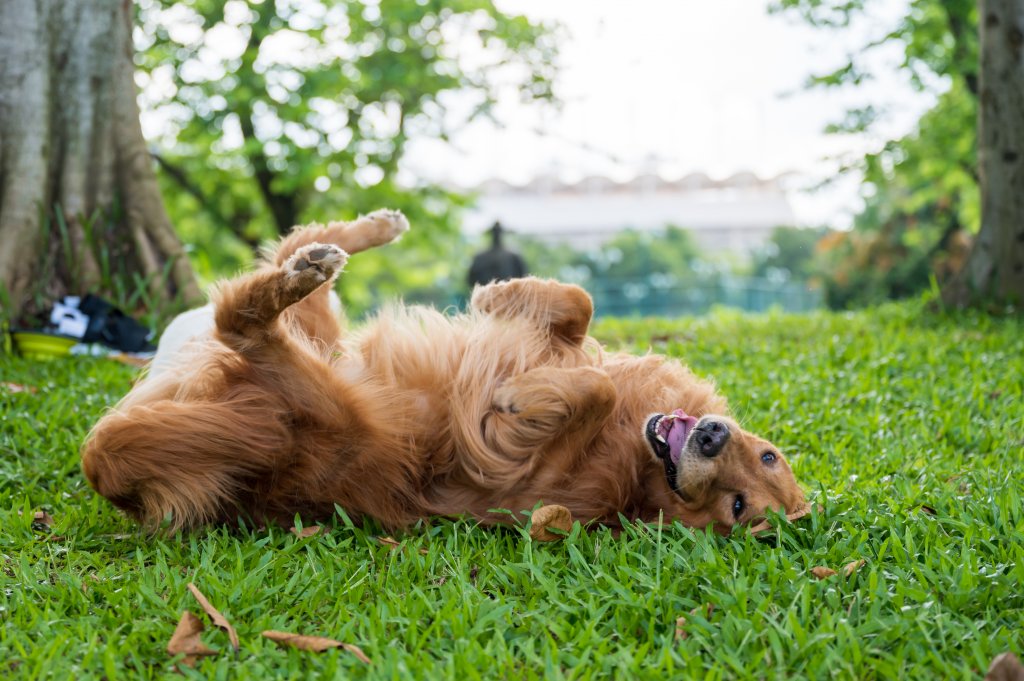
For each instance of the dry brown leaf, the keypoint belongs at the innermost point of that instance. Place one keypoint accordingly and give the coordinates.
(927, 509)
(17, 388)
(305, 531)
(553, 516)
(764, 525)
(215, 615)
(1005, 667)
(681, 628)
(853, 566)
(822, 572)
(390, 542)
(681, 632)
(424, 552)
(316, 644)
(185, 639)
(42, 518)
(130, 360)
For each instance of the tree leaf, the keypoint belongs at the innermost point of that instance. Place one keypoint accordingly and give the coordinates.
(1005, 667)
(316, 644)
(215, 615)
(553, 517)
(681, 621)
(822, 572)
(17, 388)
(853, 566)
(185, 639)
(305, 531)
(390, 542)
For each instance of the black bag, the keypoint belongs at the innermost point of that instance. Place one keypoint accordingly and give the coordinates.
(113, 328)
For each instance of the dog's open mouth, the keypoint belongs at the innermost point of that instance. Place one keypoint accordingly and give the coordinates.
(667, 435)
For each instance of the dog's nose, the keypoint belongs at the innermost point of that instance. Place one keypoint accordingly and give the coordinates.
(711, 437)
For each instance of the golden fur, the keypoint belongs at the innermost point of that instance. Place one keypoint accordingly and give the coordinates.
(414, 414)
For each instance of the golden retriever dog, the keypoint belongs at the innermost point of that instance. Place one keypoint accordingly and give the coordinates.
(278, 411)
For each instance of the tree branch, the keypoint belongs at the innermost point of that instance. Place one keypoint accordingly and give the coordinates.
(960, 31)
(235, 223)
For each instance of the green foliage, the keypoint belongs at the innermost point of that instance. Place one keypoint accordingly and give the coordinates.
(293, 111)
(886, 415)
(789, 254)
(920, 191)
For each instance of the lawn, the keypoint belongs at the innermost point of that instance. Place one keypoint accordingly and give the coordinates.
(905, 427)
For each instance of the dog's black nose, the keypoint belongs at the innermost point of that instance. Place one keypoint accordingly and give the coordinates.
(711, 437)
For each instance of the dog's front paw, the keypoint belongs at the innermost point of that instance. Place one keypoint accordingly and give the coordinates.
(312, 265)
(504, 400)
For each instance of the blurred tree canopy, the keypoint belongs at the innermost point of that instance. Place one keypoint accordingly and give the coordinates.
(920, 191)
(277, 113)
(789, 254)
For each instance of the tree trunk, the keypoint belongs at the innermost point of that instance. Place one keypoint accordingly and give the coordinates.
(80, 208)
(994, 271)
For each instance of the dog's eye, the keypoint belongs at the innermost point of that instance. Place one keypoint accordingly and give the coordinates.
(768, 457)
(738, 504)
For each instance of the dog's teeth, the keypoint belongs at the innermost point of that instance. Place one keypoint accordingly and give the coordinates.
(660, 438)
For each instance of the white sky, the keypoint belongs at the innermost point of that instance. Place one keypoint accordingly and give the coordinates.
(686, 85)
(672, 86)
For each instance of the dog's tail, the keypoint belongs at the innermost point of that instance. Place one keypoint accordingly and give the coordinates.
(376, 229)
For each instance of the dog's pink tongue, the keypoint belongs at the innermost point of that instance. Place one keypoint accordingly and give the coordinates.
(677, 434)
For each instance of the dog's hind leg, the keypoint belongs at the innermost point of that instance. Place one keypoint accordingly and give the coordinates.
(564, 310)
(248, 309)
(313, 315)
(369, 231)
(248, 321)
(191, 462)
(542, 406)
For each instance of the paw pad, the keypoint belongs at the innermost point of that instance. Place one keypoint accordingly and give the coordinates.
(318, 262)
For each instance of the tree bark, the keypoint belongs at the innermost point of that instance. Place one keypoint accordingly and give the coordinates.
(994, 272)
(79, 202)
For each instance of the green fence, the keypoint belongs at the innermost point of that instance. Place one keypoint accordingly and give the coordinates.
(642, 298)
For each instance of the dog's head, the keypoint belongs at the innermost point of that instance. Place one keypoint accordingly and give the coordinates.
(723, 474)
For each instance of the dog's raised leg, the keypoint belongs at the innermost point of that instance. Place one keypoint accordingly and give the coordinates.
(564, 310)
(539, 408)
(313, 315)
(248, 319)
(376, 229)
(248, 308)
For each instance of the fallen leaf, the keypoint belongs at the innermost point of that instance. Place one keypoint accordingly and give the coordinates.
(853, 566)
(306, 531)
(927, 509)
(215, 615)
(1005, 667)
(764, 525)
(185, 639)
(390, 542)
(822, 572)
(18, 388)
(681, 632)
(42, 518)
(681, 628)
(130, 360)
(553, 516)
(424, 552)
(316, 644)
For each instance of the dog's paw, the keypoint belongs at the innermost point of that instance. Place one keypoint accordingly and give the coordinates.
(504, 400)
(314, 264)
(389, 225)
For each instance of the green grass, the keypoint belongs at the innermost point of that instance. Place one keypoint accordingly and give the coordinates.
(882, 413)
